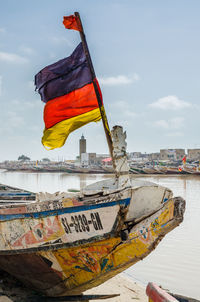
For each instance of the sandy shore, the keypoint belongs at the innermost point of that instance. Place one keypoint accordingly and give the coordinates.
(12, 290)
(129, 290)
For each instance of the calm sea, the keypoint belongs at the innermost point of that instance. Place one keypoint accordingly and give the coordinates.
(175, 263)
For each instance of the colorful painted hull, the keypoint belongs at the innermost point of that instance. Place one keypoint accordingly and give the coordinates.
(64, 247)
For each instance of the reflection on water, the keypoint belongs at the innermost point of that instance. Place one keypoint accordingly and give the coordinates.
(48, 182)
(175, 264)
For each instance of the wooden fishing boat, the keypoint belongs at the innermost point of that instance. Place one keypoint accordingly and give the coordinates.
(9, 194)
(66, 243)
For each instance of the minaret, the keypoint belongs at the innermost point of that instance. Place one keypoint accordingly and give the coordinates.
(82, 146)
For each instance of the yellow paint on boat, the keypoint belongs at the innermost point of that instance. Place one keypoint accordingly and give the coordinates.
(67, 202)
(92, 264)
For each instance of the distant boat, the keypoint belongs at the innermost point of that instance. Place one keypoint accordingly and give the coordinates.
(66, 243)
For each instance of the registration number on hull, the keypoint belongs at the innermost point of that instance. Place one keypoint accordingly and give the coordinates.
(82, 223)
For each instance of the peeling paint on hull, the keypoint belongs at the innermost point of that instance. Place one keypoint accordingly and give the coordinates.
(72, 270)
(50, 225)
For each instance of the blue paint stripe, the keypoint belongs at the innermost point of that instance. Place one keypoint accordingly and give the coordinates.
(43, 214)
(15, 194)
(164, 224)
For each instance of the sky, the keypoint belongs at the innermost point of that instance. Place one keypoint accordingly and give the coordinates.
(146, 56)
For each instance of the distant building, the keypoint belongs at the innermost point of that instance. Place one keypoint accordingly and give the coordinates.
(180, 153)
(172, 154)
(82, 146)
(133, 155)
(193, 154)
(102, 155)
(154, 156)
(100, 158)
(88, 159)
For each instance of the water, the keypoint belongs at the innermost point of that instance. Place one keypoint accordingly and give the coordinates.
(175, 264)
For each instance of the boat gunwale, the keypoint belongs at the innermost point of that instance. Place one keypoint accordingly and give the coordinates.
(56, 245)
(55, 212)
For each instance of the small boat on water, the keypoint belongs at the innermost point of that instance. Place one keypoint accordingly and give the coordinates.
(65, 243)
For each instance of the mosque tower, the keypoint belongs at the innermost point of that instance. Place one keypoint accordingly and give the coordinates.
(82, 146)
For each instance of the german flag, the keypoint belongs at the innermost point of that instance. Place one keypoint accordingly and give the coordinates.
(67, 89)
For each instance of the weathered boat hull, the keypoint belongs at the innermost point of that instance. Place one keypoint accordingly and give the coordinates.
(69, 219)
(72, 270)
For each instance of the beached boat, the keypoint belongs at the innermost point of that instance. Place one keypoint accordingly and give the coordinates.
(65, 243)
(16, 195)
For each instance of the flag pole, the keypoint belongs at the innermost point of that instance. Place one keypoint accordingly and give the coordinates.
(99, 99)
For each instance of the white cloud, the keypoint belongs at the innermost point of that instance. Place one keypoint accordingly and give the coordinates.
(129, 113)
(171, 102)
(2, 30)
(161, 124)
(121, 104)
(0, 85)
(12, 58)
(33, 104)
(22, 105)
(60, 40)
(123, 108)
(119, 80)
(31, 85)
(34, 128)
(15, 102)
(10, 122)
(52, 55)
(27, 50)
(174, 134)
(174, 123)
(14, 120)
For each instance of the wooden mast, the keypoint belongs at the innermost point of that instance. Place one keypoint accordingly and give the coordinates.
(99, 99)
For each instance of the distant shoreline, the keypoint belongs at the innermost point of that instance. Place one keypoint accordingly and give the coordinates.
(103, 172)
